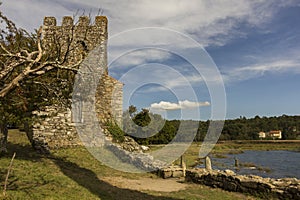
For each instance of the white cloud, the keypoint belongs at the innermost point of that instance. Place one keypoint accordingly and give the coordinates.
(260, 69)
(164, 78)
(209, 22)
(183, 81)
(142, 56)
(163, 105)
(29, 14)
(178, 83)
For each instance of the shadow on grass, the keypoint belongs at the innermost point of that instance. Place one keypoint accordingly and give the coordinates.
(19, 143)
(84, 177)
(23, 152)
(90, 181)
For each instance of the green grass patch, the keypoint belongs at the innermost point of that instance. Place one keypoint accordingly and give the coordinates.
(73, 173)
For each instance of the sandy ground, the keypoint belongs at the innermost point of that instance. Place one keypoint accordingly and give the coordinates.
(152, 184)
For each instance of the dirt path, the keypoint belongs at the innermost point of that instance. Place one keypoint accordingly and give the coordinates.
(152, 184)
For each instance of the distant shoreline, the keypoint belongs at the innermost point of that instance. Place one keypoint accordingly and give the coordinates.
(260, 145)
(258, 141)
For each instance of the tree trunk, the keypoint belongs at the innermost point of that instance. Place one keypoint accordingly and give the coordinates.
(37, 144)
(3, 137)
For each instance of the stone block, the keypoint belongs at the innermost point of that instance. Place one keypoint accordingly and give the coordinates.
(177, 174)
(250, 184)
(230, 186)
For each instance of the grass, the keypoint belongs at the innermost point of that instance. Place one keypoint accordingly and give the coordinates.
(219, 155)
(72, 173)
(195, 192)
(259, 145)
(259, 168)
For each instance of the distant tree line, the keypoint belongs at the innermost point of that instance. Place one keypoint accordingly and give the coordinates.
(234, 129)
(248, 129)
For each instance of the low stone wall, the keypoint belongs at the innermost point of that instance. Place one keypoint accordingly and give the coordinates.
(267, 188)
(140, 160)
(173, 171)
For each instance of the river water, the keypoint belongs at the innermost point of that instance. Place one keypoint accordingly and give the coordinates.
(274, 164)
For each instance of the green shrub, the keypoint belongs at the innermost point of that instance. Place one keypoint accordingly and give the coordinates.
(116, 132)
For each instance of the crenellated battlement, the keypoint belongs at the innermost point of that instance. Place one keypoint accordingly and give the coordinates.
(100, 21)
(76, 37)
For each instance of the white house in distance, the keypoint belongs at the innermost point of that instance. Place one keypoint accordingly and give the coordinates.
(276, 134)
(261, 135)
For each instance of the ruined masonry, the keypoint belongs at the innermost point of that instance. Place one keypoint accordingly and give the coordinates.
(265, 188)
(53, 126)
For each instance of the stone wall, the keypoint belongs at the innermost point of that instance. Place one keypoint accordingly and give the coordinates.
(267, 188)
(109, 100)
(52, 126)
(173, 171)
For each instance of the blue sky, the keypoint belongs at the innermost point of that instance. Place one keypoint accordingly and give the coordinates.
(249, 47)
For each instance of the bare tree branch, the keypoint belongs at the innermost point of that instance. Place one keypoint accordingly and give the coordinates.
(9, 68)
(34, 67)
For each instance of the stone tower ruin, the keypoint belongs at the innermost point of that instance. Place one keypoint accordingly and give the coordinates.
(53, 126)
